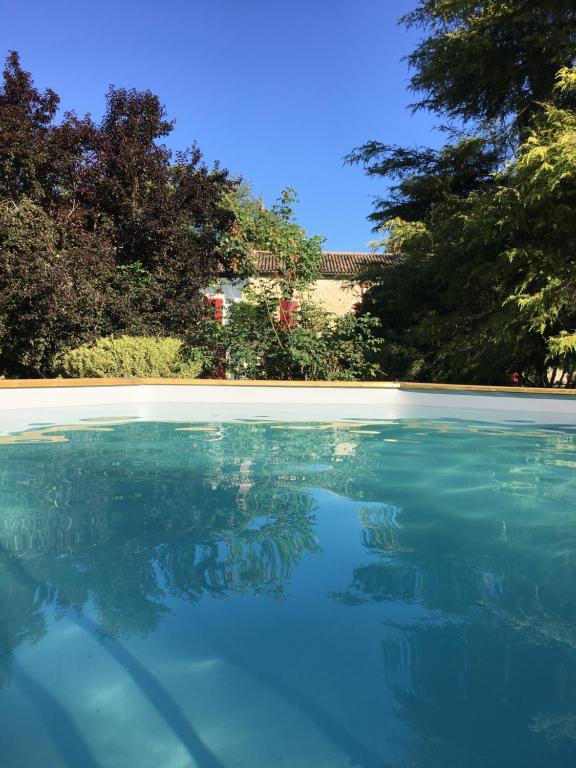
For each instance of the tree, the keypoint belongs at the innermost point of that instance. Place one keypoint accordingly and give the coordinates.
(482, 251)
(538, 209)
(164, 214)
(299, 340)
(486, 284)
(26, 118)
(102, 229)
(298, 256)
(423, 177)
(490, 60)
(55, 289)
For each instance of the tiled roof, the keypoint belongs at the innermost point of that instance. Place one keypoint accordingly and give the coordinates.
(334, 263)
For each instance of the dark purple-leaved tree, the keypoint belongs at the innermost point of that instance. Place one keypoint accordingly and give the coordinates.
(102, 228)
(26, 117)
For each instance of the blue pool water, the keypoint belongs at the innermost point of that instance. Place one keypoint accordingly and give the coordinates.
(253, 595)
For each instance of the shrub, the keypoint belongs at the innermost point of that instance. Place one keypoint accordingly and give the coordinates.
(255, 344)
(125, 356)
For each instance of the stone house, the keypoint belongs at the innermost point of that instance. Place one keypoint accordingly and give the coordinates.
(334, 289)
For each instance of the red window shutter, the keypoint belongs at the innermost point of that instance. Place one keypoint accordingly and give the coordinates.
(288, 314)
(218, 313)
(219, 310)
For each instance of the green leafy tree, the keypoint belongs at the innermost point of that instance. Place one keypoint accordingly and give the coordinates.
(298, 256)
(490, 60)
(482, 286)
(258, 342)
(537, 208)
(489, 277)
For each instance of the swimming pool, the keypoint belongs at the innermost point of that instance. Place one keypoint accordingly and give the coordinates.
(233, 589)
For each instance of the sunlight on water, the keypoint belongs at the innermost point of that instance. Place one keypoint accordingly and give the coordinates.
(249, 594)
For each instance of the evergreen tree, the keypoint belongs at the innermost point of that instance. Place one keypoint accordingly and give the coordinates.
(483, 226)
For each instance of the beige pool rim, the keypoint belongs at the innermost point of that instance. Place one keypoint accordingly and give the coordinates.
(397, 385)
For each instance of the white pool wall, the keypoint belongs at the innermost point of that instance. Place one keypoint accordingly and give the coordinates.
(35, 403)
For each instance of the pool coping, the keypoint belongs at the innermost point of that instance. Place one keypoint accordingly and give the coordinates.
(397, 385)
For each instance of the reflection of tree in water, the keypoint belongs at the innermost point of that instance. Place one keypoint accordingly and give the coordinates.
(379, 527)
(467, 691)
(21, 611)
(122, 520)
(491, 630)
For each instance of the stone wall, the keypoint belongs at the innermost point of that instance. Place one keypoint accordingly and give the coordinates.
(335, 296)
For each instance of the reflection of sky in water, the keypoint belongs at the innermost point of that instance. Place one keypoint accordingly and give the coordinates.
(326, 595)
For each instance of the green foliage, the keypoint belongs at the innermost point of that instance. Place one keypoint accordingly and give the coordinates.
(484, 286)
(562, 355)
(258, 229)
(424, 177)
(487, 285)
(256, 345)
(489, 60)
(540, 215)
(127, 356)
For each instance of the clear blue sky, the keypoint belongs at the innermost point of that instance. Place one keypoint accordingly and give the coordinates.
(277, 91)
